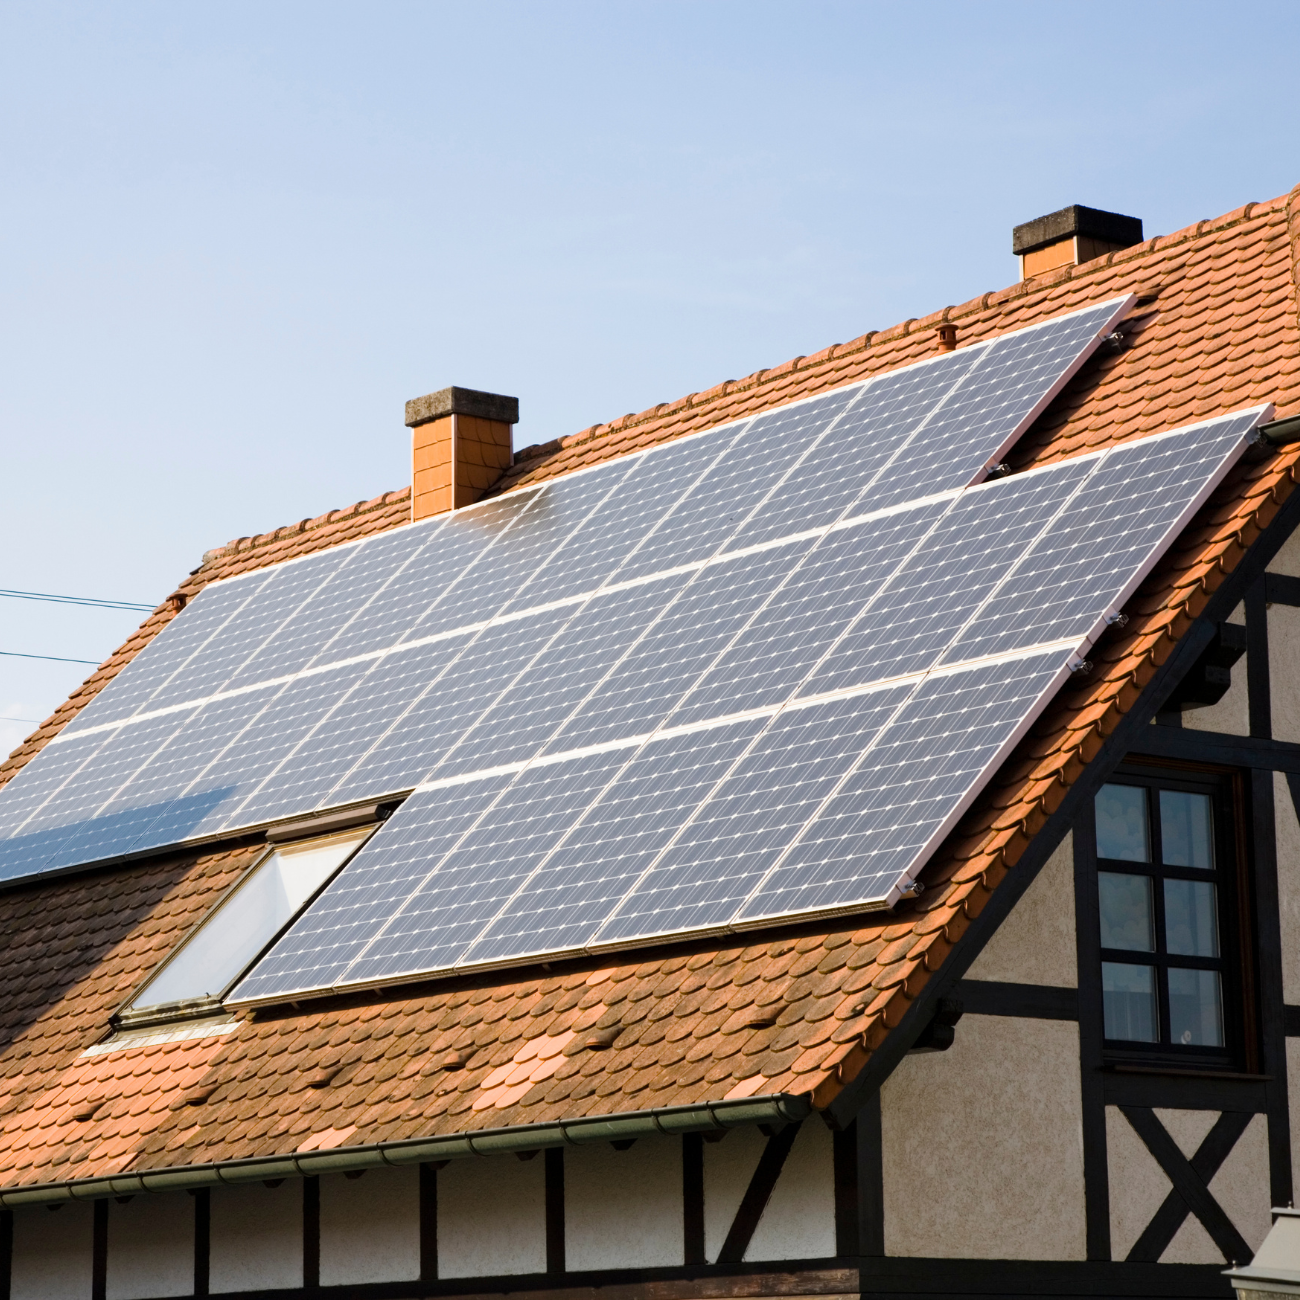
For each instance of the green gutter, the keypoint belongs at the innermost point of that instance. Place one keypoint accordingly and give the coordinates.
(712, 1116)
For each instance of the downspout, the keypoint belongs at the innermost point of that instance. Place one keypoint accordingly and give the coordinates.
(780, 1108)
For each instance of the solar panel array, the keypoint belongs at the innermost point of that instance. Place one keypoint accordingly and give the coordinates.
(753, 674)
(812, 767)
(567, 615)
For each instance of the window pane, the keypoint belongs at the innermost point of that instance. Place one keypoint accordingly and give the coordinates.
(243, 924)
(1191, 925)
(1186, 829)
(1129, 1002)
(1195, 1008)
(1125, 906)
(1122, 823)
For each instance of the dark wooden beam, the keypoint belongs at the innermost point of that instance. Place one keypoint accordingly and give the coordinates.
(1027, 1001)
(1188, 1183)
(99, 1252)
(554, 1172)
(311, 1234)
(202, 1239)
(693, 1198)
(428, 1212)
(757, 1194)
(1166, 1221)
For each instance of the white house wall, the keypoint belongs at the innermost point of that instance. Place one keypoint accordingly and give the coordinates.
(370, 1227)
(256, 1241)
(52, 1254)
(623, 1209)
(150, 1247)
(491, 1217)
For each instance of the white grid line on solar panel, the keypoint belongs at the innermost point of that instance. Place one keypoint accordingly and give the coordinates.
(622, 469)
(498, 866)
(516, 615)
(1066, 646)
(1243, 420)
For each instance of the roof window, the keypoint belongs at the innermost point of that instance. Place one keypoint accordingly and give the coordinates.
(229, 939)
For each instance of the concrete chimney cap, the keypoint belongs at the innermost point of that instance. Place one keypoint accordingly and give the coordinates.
(1088, 223)
(462, 401)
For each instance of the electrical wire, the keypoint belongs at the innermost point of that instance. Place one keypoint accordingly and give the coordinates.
(76, 600)
(58, 659)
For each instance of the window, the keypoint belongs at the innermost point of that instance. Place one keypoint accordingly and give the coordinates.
(1169, 905)
(233, 935)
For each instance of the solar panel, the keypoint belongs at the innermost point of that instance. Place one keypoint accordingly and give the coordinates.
(589, 607)
(828, 799)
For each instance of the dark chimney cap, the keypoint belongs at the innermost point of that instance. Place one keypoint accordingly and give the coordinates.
(1090, 223)
(462, 401)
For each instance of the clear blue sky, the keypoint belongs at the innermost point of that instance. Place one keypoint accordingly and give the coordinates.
(235, 238)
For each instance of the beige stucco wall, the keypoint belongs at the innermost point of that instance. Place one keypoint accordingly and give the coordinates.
(256, 1237)
(1288, 885)
(1232, 713)
(370, 1227)
(52, 1253)
(1035, 944)
(492, 1217)
(983, 1149)
(150, 1247)
(1287, 560)
(1138, 1185)
(623, 1209)
(1284, 671)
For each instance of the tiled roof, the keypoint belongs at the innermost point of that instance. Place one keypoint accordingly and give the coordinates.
(1215, 329)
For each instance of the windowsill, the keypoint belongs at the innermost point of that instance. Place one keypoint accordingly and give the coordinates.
(166, 1013)
(1186, 1072)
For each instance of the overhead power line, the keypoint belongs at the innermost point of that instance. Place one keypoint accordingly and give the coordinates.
(58, 659)
(75, 600)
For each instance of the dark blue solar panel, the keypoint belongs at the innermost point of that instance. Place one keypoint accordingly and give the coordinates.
(739, 833)
(1105, 540)
(343, 922)
(907, 790)
(686, 638)
(469, 887)
(616, 839)
(804, 618)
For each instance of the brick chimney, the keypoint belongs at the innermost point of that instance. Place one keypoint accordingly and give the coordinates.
(1070, 237)
(460, 447)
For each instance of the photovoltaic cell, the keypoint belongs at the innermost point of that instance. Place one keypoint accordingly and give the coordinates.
(338, 927)
(1104, 542)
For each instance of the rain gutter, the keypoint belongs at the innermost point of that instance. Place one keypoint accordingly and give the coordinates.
(780, 1108)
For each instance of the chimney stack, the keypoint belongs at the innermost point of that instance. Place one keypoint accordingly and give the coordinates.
(1070, 237)
(461, 445)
